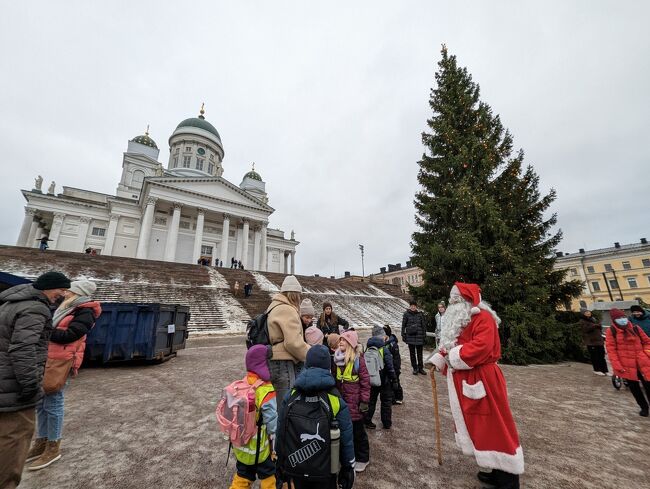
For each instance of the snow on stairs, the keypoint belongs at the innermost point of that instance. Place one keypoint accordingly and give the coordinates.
(208, 291)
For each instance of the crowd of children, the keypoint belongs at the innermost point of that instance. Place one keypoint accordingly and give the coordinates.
(316, 436)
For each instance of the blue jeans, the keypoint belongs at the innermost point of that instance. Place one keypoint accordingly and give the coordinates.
(49, 416)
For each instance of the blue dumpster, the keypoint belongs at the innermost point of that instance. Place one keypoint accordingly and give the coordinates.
(128, 331)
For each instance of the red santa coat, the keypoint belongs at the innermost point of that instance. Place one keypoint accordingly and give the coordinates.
(479, 398)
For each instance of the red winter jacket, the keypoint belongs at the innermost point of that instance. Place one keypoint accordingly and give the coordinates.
(75, 349)
(628, 349)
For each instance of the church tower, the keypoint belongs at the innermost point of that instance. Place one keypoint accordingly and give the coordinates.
(195, 148)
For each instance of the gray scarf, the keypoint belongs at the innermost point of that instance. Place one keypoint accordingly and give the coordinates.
(60, 313)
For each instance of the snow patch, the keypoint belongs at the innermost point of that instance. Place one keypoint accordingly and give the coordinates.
(264, 283)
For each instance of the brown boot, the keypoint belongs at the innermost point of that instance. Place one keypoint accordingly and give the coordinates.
(50, 455)
(37, 449)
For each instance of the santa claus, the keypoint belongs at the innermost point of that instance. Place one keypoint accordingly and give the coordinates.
(468, 353)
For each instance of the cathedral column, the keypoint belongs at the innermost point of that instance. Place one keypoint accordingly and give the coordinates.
(172, 234)
(145, 228)
(31, 239)
(244, 257)
(55, 230)
(263, 251)
(84, 224)
(293, 262)
(285, 262)
(110, 234)
(237, 242)
(256, 249)
(26, 227)
(198, 237)
(40, 232)
(225, 236)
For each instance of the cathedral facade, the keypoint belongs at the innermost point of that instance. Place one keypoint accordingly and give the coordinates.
(187, 212)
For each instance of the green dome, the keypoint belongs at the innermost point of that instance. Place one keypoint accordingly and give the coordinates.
(253, 175)
(200, 123)
(145, 140)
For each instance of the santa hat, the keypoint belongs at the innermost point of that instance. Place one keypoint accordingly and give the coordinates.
(470, 292)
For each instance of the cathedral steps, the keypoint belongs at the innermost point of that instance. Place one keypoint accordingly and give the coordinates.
(208, 291)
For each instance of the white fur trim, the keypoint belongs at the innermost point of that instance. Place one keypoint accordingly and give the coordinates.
(474, 391)
(489, 459)
(455, 361)
(436, 360)
(474, 310)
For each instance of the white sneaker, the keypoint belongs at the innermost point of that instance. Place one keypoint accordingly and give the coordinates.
(599, 373)
(360, 466)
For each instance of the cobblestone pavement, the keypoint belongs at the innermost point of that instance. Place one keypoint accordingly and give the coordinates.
(153, 426)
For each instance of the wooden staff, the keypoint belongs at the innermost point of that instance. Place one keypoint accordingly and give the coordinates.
(436, 414)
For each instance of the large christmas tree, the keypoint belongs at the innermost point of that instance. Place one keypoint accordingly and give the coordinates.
(482, 219)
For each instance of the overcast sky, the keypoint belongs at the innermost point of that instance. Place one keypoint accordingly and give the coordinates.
(329, 99)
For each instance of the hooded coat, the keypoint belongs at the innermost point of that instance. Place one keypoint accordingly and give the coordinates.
(628, 348)
(355, 392)
(285, 330)
(414, 329)
(643, 322)
(25, 328)
(313, 380)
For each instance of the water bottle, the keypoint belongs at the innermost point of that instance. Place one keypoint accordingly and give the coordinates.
(335, 447)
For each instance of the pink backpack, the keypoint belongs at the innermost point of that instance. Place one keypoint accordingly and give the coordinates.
(236, 411)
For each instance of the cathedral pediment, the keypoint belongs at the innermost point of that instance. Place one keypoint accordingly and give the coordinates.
(214, 188)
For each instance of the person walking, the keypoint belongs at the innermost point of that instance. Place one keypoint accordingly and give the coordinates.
(592, 337)
(43, 243)
(468, 353)
(72, 321)
(640, 317)
(414, 332)
(25, 328)
(286, 336)
(628, 348)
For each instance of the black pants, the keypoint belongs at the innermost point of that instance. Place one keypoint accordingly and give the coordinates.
(597, 355)
(361, 446)
(635, 389)
(415, 351)
(398, 394)
(386, 413)
(505, 480)
(263, 470)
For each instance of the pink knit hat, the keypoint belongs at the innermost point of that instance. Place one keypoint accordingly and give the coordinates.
(313, 336)
(351, 337)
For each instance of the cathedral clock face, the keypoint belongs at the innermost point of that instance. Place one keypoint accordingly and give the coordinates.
(200, 151)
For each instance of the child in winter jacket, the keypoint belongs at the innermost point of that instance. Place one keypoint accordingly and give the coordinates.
(353, 383)
(314, 383)
(628, 348)
(393, 347)
(265, 402)
(388, 382)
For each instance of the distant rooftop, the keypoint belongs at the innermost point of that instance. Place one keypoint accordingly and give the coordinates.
(642, 244)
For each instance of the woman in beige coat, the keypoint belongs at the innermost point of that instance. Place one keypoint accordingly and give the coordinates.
(285, 333)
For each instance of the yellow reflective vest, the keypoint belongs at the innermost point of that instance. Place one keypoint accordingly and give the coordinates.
(246, 453)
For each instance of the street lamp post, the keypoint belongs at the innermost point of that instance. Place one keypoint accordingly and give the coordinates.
(363, 272)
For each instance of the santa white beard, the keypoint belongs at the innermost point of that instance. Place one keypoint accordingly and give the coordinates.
(456, 317)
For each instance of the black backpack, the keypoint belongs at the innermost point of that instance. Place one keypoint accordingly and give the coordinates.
(257, 330)
(305, 452)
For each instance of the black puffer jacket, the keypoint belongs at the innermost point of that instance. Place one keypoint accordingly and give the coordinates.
(414, 330)
(25, 327)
